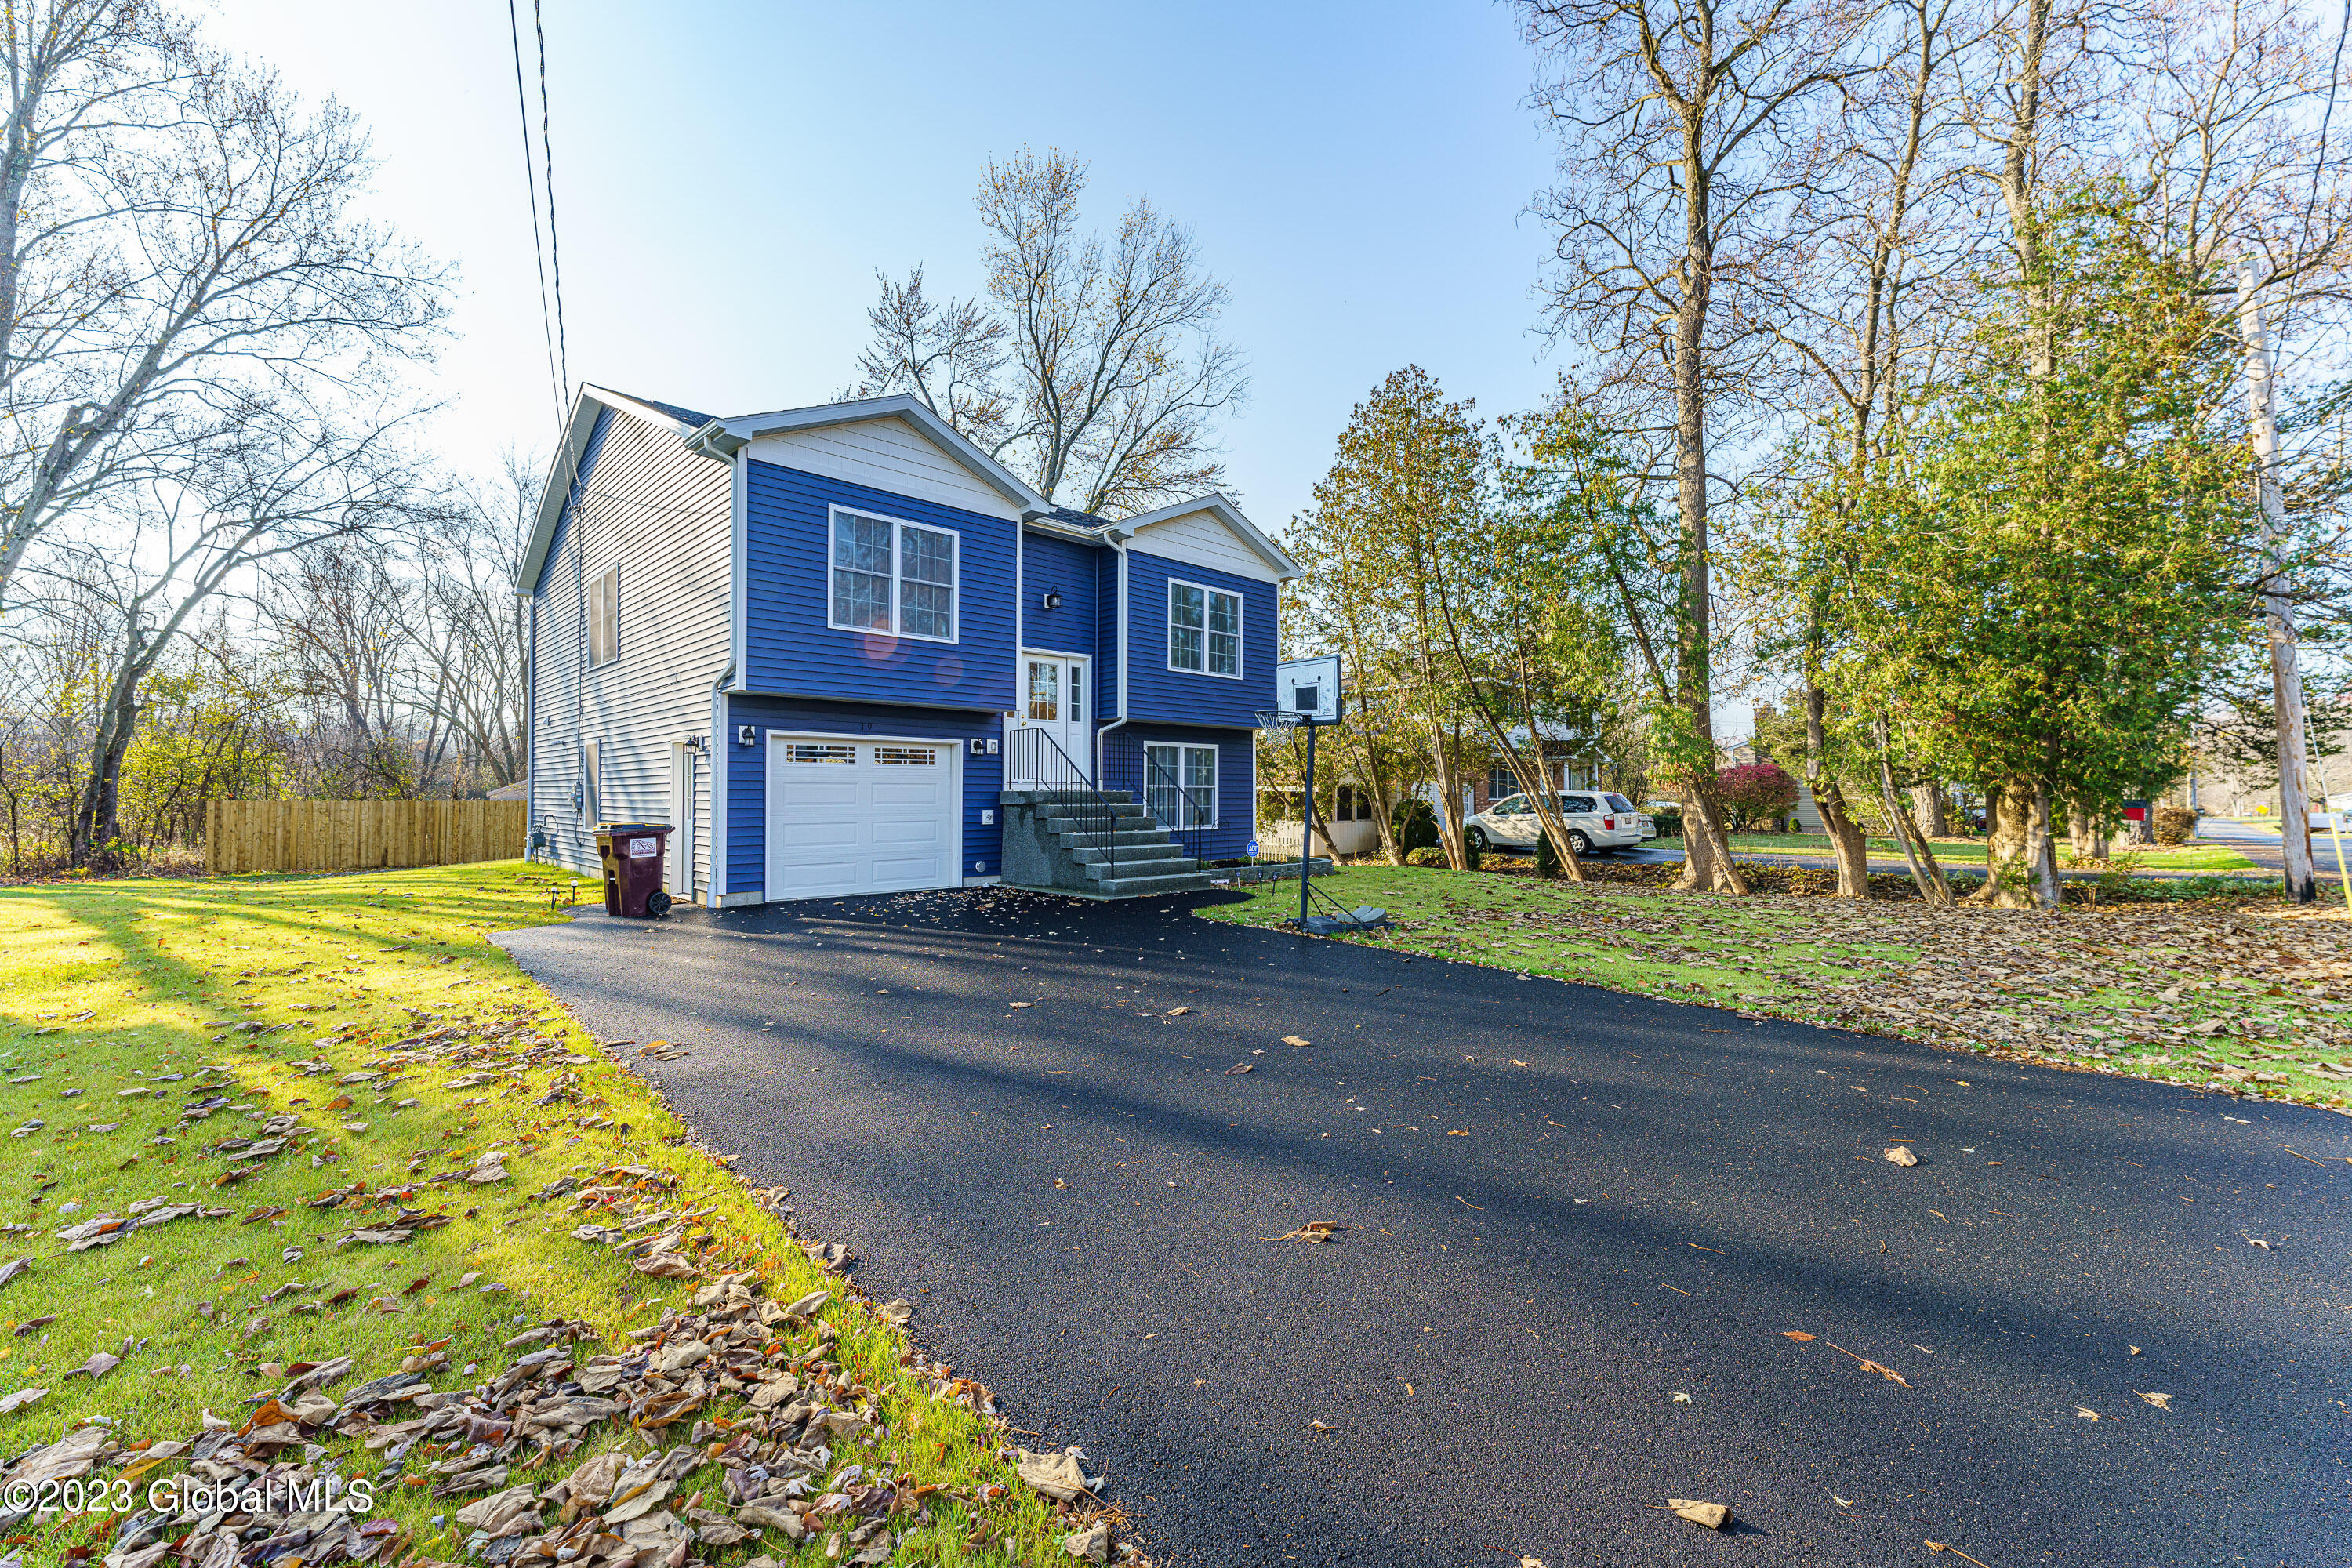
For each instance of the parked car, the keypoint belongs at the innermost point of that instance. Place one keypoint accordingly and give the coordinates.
(1600, 820)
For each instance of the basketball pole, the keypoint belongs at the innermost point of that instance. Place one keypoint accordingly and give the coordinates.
(1307, 827)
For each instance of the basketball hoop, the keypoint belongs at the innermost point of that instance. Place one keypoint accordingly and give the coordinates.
(1277, 719)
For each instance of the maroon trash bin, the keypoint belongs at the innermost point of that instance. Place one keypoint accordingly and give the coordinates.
(633, 853)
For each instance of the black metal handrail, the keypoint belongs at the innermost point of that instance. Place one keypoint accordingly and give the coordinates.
(1127, 767)
(1038, 761)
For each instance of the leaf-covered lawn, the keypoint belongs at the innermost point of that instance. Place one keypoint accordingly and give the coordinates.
(405, 1133)
(1954, 853)
(2254, 997)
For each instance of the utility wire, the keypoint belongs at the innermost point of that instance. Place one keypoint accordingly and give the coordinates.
(538, 246)
(547, 150)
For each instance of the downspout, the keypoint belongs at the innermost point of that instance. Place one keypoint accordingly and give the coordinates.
(1117, 543)
(722, 743)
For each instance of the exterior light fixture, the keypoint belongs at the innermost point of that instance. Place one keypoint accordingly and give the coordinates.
(1053, 599)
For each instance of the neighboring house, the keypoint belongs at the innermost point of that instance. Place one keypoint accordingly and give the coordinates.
(803, 639)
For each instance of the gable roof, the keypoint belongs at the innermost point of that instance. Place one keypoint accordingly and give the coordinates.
(591, 401)
(1216, 505)
(724, 438)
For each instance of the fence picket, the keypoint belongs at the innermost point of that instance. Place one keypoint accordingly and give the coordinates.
(359, 835)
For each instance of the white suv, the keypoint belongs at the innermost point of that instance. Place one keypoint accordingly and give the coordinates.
(1600, 820)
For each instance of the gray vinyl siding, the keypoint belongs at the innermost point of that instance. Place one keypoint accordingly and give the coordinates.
(662, 513)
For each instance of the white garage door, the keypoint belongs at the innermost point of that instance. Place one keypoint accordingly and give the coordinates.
(859, 817)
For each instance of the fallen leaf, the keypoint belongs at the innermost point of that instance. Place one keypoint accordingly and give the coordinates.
(2087, 1412)
(2161, 1401)
(1177, 1012)
(1713, 1515)
(1313, 1230)
(1939, 1546)
(1795, 1335)
(97, 1366)
(1320, 1426)
(1901, 1155)
(1238, 1068)
(1295, 1040)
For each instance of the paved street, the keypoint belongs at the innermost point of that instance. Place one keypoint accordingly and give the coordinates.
(1583, 1225)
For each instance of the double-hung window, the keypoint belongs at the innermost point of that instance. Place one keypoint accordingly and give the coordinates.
(1180, 784)
(1204, 630)
(893, 576)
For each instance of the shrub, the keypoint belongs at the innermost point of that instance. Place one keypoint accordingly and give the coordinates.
(1472, 856)
(1414, 822)
(1425, 855)
(1755, 792)
(1547, 857)
(1669, 820)
(2175, 824)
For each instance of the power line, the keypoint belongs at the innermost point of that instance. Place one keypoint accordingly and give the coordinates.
(547, 150)
(538, 248)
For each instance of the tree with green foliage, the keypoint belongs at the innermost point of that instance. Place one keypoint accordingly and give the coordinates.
(2053, 572)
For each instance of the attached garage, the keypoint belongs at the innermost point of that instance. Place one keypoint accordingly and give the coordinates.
(852, 814)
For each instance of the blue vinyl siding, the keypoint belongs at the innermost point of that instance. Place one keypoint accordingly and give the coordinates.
(790, 647)
(1156, 692)
(1068, 568)
(747, 771)
(1106, 636)
(1236, 781)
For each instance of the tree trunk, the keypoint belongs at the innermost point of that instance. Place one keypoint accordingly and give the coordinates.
(1846, 840)
(2008, 830)
(98, 813)
(2082, 832)
(1928, 810)
(1449, 803)
(2041, 851)
(1926, 875)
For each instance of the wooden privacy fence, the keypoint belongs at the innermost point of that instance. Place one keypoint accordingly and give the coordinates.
(359, 835)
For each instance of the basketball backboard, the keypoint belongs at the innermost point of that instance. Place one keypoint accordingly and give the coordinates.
(1309, 688)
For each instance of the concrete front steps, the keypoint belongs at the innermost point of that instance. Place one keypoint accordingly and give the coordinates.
(1063, 841)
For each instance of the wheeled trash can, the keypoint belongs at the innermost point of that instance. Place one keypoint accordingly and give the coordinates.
(634, 854)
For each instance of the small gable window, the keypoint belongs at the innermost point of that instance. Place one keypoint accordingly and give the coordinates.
(893, 576)
(604, 618)
(1204, 630)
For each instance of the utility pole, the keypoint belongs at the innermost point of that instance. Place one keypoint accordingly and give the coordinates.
(2278, 610)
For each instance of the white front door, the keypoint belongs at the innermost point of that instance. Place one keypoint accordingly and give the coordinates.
(856, 816)
(1056, 688)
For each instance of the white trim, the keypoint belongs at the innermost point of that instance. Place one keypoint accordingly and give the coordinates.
(739, 547)
(728, 436)
(768, 739)
(1020, 609)
(1241, 608)
(720, 744)
(834, 511)
(1084, 710)
(1216, 781)
(1224, 512)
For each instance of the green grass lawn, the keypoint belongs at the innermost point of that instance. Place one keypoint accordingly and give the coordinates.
(2232, 994)
(1958, 852)
(132, 1006)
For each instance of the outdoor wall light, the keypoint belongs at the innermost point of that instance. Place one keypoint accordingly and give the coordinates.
(1053, 599)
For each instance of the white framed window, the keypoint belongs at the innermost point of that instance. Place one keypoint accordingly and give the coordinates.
(907, 756)
(810, 752)
(891, 575)
(1180, 784)
(1204, 630)
(605, 616)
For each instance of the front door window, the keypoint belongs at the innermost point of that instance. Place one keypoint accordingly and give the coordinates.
(1054, 702)
(1045, 691)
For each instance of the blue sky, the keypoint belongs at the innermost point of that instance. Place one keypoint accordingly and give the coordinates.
(729, 176)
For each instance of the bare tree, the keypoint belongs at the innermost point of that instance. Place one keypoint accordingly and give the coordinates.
(175, 235)
(1680, 123)
(1117, 376)
(275, 480)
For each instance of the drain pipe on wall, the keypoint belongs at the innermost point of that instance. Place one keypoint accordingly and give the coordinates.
(1102, 752)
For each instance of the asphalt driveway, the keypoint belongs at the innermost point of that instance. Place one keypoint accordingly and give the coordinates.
(1584, 1228)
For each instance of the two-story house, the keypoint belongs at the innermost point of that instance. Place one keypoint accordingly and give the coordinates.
(826, 645)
